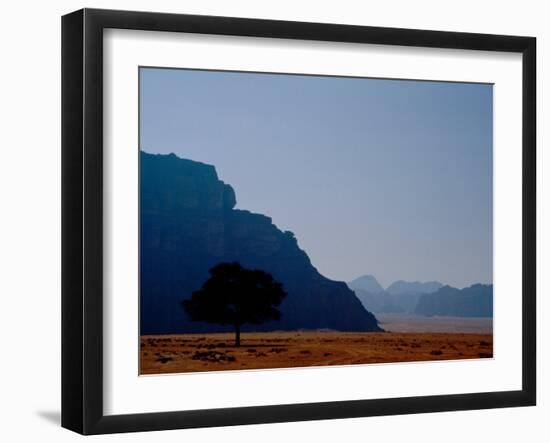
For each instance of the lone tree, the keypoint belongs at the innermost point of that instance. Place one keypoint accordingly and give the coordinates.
(234, 296)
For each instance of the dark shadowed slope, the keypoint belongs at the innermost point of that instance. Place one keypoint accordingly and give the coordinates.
(474, 301)
(189, 224)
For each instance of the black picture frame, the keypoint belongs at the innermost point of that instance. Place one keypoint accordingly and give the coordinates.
(82, 218)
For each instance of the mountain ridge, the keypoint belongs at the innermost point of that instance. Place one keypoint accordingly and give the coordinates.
(472, 301)
(401, 287)
(422, 298)
(367, 283)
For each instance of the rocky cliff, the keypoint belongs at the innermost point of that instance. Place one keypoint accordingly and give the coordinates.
(188, 224)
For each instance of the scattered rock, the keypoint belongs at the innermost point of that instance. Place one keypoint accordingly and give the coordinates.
(212, 356)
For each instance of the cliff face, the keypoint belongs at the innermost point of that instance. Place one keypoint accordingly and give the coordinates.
(188, 224)
(474, 301)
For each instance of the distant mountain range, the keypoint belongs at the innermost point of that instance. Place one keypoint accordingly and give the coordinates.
(474, 301)
(372, 294)
(423, 298)
(367, 283)
(401, 287)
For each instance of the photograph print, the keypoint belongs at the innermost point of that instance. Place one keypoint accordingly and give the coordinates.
(292, 220)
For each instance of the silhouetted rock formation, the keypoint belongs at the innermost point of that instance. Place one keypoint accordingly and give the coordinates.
(474, 301)
(189, 224)
(400, 296)
(367, 283)
(406, 294)
(378, 302)
(413, 287)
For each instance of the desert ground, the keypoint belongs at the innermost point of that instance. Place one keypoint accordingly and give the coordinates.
(419, 323)
(163, 354)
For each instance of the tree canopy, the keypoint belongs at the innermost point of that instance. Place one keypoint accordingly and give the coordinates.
(235, 296)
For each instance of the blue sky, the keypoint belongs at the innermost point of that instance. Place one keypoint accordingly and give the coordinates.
(386, 177)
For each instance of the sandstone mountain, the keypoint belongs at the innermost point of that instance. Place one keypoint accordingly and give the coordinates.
(188, 223)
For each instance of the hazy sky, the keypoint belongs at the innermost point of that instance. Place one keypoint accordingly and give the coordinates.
(386, 177)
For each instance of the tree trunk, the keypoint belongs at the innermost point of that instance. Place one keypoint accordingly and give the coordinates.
(237, 335)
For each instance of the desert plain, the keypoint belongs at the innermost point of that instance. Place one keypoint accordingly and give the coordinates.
(163, 354)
